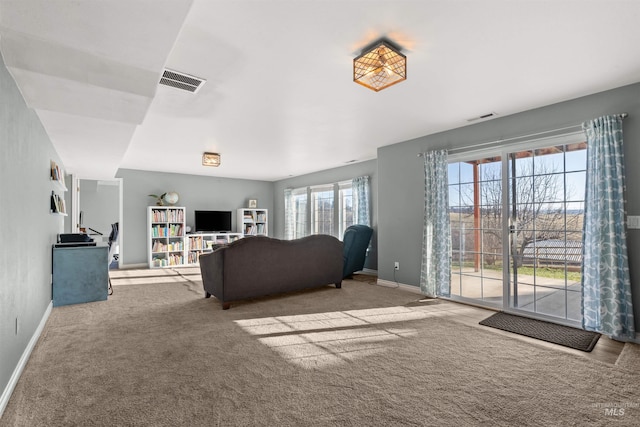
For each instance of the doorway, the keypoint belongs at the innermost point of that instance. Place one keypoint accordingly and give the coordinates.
(98, 205)
(516, 225)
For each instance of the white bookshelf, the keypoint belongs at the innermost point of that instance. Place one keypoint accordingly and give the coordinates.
(253, 222)
(199, 243)
(165, 236)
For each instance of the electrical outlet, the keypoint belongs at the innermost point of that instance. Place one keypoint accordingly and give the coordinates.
(396, 265)
(633, 222)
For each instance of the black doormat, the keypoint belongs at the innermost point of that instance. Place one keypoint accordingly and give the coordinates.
(546, 331)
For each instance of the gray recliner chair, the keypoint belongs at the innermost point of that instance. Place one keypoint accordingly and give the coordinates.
(356, 241)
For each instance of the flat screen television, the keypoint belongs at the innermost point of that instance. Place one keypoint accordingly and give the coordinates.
(213, 221)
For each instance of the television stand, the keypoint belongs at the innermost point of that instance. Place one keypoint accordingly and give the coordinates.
(200, 242)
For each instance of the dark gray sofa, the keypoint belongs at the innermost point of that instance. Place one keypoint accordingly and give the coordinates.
(259, 266)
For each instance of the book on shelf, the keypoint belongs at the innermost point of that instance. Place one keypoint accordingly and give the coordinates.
(159, 216)
(175, 247)
(176, 215)
(57, 204)
(159, 231)
(175, 259)
(168, 215)
(175, 230)
(196, 243)
(158, 246)
(56, 173)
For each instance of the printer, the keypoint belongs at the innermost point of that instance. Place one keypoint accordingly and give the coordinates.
(70, 240)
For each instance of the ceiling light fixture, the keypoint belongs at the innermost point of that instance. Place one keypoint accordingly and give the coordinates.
(211, 159)
(379, 66)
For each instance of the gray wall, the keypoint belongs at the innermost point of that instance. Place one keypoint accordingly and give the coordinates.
(99, 205)
(27, 228)
(196, 193)
(401, 176)
(343, 173)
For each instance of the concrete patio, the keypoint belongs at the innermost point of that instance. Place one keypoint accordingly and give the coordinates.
(536, 294)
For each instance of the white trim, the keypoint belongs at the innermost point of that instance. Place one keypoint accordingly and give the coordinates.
(370, 271)
(121, 227)
(17, 372)
(131, 266)
(403, 286)
(462, 155)
(320, 188)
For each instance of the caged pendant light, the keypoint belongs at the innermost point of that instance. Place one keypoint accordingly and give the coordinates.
(211, 159)
(379, 66)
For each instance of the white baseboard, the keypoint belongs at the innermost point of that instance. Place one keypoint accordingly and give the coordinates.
(132, 266)
(403, 286)
(370, 271)
(13, 381)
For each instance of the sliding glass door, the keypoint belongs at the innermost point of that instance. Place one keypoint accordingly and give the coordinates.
(516, 225)
(476, 212)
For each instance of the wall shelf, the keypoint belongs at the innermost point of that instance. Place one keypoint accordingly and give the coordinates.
(57, 205)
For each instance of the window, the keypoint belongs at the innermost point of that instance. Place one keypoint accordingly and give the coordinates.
(345, 197)
(300, 213)
(322, 209)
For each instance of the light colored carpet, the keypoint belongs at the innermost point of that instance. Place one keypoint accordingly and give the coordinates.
(160, 354)
(629, 357)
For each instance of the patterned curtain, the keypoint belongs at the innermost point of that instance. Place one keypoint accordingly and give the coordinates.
(435, 275)
(360, 188)
(289, 217)
(606, 287)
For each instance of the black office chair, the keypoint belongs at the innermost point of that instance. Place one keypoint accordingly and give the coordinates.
(113, 238)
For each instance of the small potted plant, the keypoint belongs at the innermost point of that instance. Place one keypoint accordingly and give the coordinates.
(159, 199)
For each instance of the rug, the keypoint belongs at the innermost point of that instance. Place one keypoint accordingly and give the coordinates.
(545, 331)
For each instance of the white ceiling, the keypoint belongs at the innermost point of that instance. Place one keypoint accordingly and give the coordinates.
(279, 99)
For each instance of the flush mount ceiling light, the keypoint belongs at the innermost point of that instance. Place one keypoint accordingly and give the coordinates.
(211, 159)
(379, 66)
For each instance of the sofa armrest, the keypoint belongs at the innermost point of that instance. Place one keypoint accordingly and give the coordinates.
(212, 269)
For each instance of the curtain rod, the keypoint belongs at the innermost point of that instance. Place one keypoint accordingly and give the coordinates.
(500, 141)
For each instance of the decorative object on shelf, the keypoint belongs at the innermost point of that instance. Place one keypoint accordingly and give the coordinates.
(253, 203)
(379, 66)
(211, 159)
(159, 199)
(170, 198)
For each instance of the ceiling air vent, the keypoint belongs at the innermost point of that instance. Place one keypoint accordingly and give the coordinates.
(181, 81)
(482, 117)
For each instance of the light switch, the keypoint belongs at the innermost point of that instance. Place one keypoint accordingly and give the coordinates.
(633, 222)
